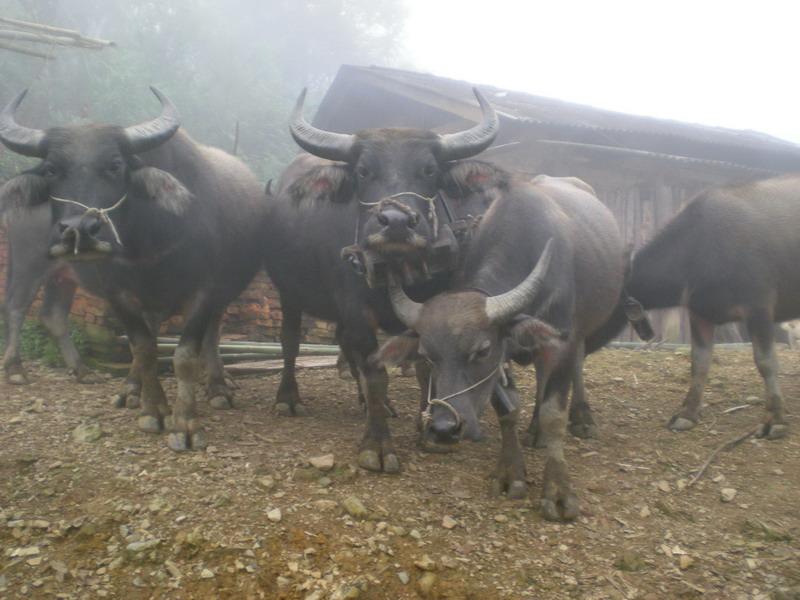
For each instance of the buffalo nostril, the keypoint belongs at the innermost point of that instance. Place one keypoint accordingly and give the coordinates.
(383, 219)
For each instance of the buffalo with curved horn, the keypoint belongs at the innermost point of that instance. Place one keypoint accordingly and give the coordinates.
(155, 223)
(543, 271)
(375, 188)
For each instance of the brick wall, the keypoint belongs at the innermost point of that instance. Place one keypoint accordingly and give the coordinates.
(255, 315)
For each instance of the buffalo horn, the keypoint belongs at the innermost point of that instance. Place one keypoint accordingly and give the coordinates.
(455, 146)
(22, 140)
(151, 134)
(406, 309)
(503, 307)
(325, 144)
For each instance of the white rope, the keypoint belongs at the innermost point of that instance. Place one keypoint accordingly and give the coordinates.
(432, 217)
(426, 414)
(100, 213)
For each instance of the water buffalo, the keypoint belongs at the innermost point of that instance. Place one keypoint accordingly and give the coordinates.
(729, 255)
(544, 270)
(155, 223)
(28, 269)
(375, 188)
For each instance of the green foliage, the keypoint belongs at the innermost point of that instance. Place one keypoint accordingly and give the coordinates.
(219, 62)
(37, 343)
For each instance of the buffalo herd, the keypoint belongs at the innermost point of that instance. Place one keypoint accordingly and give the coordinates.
(464, 265)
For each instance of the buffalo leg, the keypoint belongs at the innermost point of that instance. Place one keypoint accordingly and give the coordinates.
(558, 502)
(20, 291)
(376, 452)
(288, 399)
(187, 432)
(218, 392)
(56, 302)
(509, 475)
(144, 370)
(533, 436)
(702, 350)
(581, 422)
(762, 333)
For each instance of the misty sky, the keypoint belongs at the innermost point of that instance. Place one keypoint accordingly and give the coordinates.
(732, 64)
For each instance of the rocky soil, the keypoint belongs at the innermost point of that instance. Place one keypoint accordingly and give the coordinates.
(91, 508)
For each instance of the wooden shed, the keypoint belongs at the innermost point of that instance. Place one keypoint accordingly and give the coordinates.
(644, 169)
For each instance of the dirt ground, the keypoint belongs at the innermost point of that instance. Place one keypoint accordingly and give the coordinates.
(124, 517)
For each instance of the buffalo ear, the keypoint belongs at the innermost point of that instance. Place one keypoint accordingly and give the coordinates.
(21, 192)
(164, 189)
(396, 350)
(530, 334)
(325, 183)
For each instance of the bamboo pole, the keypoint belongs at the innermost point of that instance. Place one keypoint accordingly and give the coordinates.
(56, 32)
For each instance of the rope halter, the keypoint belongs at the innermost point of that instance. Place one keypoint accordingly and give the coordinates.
(90, 211)
(427, 417)
(402, 207)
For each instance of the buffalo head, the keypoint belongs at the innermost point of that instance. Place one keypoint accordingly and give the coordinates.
(394, 174)
(93, 179)
(466, 337)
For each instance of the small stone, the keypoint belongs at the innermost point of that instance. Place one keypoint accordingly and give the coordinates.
(324, 504)
(449, 522)
(325, 482)
(629, 560)
(727, 494)
(685, 561)
(87, 432)
(645, 512)
(22, 552)
(266, 483)
(403, 577)
(136, 548)
(501, 519)
(172, 569)
(663, 485)
(354, 507)
(426, 563)
(283, 582)
(315, 595)
(275, 515)
(206, 574)
(426, 584)
(323, 463)
(415, 534)
(116, 563)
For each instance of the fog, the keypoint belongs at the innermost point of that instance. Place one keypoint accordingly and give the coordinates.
(717, 63)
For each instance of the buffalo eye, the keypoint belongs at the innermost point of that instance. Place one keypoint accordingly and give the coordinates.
(49, 170)
(429, 170)
(481, 352)
(362, 172)
(114, 168)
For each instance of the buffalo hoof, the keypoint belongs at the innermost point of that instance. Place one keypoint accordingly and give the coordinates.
(126, 401)
(150, 424)
(680, 423)
(773, 431)
(221, 403)
(371, 461)
(515, 490)
(283, 409)
(17, 379)
(562, 509)
(84, 376)
(583, 430)
(559, 502)
(182, 441)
